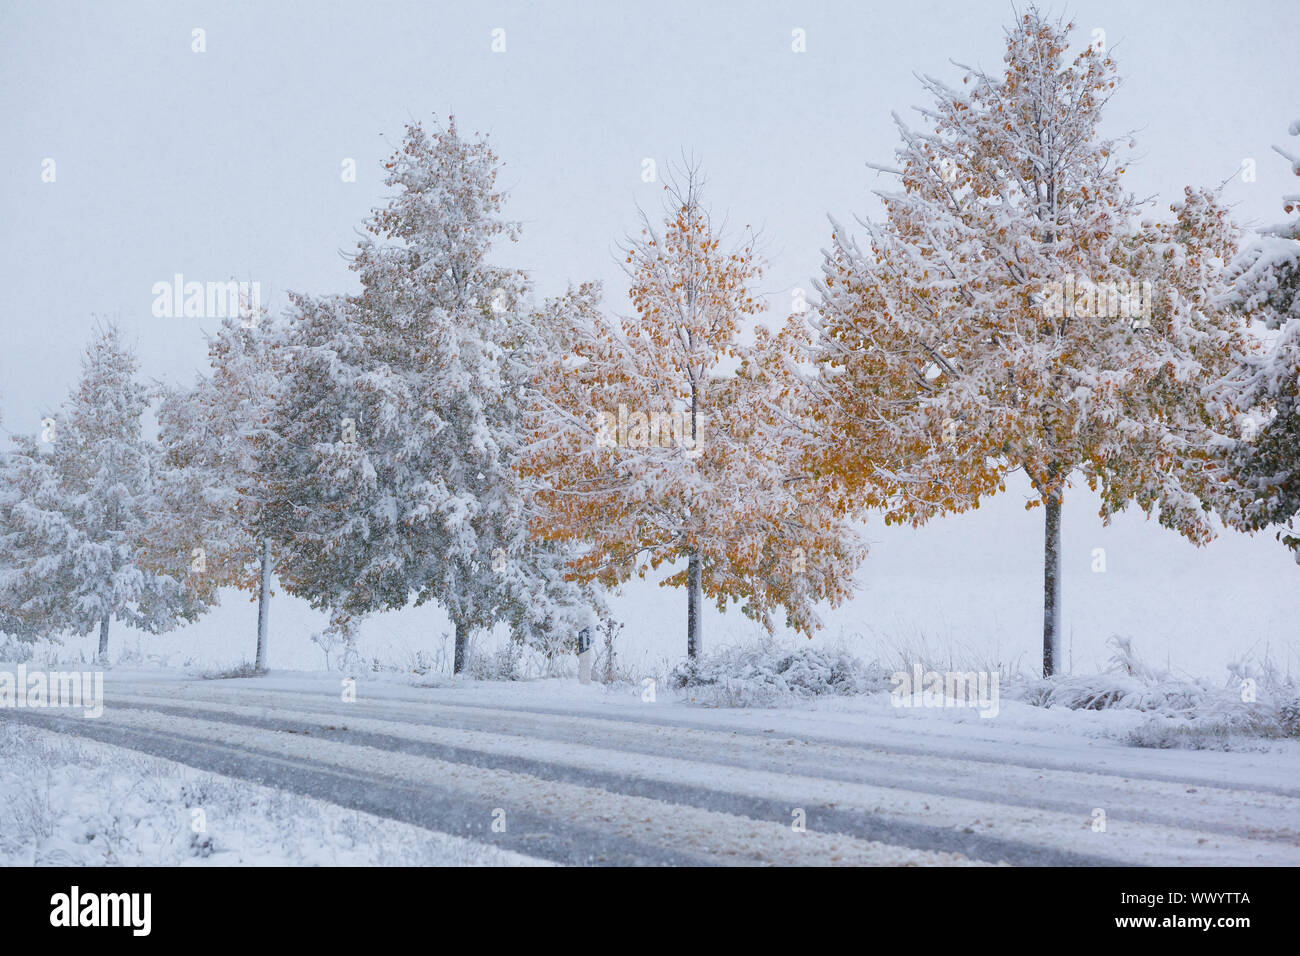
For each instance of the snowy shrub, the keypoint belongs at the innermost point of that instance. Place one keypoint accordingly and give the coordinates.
(811, 673)
(768, 676)
(243, 669)
(1111, 691)
(401, 658)
(550, 653)
(502, 664)
(422, 662)
(406, 661)
(1288, 715)
(745, 679)
(1185, 714)
(1128, 684)
(131, 655)
(1273, 688)
(608, 667)
(339, 639)
(15, 651)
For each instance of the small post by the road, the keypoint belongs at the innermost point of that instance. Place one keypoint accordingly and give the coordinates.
(584, 655)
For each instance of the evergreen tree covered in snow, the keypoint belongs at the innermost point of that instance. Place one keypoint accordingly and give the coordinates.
(1261, 481)
(73, 518)
(34, 535)
(397, 432)
(219, 508)
(1014, 311)
(663, 438)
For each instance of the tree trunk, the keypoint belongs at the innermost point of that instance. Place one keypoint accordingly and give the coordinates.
(263, 604)
(103, 639)
(462, 645)
(694, 640)
(1052, 585)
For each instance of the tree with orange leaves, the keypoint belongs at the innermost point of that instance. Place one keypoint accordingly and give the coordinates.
(1014, 312)
(662, 438)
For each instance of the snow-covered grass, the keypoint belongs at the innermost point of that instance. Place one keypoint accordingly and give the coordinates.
(244, 669)
(512, 661)
(69, 802)
(769, 675)
(1255, 702)
(1183, 733)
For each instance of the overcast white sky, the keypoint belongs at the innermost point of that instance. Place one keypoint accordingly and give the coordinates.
(227, 163)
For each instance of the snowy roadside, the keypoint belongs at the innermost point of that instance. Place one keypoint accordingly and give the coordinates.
(73, 802)
(870, 714)
(632, 774)
(1060, 735)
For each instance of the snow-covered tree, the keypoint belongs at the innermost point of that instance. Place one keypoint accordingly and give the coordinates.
(73, 518)
(398, 430)
(662, 437)
(1261, 482)
(34, 535)
(219, 507)
(1014, 311)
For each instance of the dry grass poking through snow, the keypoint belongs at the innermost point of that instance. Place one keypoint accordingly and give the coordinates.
(1255, 703)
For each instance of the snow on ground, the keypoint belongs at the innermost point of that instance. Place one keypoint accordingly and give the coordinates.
(1056, 736)
(588, 773)
(72, 802)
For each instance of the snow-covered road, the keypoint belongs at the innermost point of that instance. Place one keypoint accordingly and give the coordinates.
(585, 778)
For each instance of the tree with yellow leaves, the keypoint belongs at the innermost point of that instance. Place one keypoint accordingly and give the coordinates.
(1015, 312)
(662, 438)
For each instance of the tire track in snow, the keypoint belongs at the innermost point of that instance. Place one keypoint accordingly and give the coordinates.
(926, 820)
(426, 806)
(348, 774)
(1215, 810)
(886, 739)
(666, 787)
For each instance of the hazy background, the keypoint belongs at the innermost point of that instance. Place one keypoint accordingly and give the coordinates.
(227, 164)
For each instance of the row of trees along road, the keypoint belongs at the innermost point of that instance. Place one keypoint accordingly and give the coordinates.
(437, 436)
